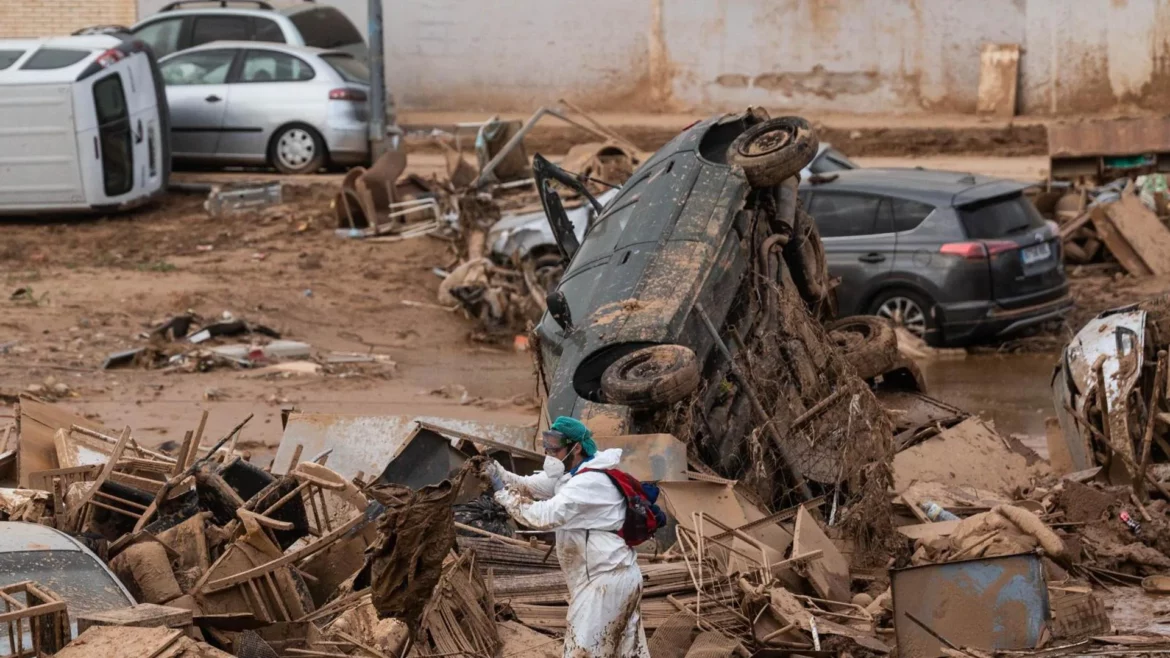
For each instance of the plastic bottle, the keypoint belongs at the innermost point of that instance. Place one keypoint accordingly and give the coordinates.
(935, 512)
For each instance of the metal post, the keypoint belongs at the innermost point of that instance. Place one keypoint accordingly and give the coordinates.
(377, 80)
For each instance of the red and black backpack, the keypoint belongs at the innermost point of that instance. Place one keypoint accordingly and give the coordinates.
(643, 516)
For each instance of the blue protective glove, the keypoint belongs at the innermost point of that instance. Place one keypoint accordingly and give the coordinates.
(497, 481)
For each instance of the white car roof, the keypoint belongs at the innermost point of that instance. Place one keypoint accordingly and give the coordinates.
(96, 44)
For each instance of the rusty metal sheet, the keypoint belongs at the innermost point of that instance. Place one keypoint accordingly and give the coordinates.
(989, 604)
(369, 443)
(650, 457)
(1099, 137)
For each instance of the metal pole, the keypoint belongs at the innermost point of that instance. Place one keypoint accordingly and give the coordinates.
(377, 80)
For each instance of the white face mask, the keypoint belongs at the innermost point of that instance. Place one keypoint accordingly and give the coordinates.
(553, 467)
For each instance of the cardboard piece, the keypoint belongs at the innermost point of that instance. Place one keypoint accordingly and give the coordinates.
(830, 574)
(968, 454)
(1059, 456)
(39, 422)
(999, 73)
(721, 502)
(649, 457)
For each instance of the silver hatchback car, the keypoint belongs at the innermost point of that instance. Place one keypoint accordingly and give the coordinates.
(295, 108)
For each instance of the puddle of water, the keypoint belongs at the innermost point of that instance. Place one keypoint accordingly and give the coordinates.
(1012, 390)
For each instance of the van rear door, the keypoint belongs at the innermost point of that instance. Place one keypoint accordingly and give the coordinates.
(38, 148)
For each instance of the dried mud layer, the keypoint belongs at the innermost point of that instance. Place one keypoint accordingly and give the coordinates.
(92, 285)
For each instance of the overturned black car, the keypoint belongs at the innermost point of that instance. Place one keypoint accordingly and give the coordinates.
(696, 304)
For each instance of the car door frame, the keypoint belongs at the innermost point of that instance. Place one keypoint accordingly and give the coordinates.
(233, 70)
(870, 275)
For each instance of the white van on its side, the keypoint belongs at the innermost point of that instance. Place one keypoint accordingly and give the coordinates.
(84, 125)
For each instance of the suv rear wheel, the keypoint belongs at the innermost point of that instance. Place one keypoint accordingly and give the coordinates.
(909, 310)
(653, 376)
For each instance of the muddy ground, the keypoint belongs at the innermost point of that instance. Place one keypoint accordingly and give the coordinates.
(95, 285)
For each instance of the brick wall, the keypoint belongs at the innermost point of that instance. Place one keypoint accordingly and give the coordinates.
(40, 18)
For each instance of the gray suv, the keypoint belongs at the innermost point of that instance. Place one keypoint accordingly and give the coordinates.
(954, 258)
(189, 23)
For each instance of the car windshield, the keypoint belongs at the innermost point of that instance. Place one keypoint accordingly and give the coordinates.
(1000, 217)
(348, 67)
(74, 576)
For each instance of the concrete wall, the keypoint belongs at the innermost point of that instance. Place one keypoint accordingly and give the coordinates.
(37, 18)
(864, 56)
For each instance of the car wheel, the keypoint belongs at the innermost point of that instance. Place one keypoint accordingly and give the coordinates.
(297, 149)
(653, 376)
(868, 343)
(774, 150)
(908, 310)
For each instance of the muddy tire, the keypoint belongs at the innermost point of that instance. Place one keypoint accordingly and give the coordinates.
(867, 342)
(774, 150)
(653, 376)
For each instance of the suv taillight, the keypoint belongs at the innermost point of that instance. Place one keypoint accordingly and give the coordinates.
(347, 95)
(977, 250)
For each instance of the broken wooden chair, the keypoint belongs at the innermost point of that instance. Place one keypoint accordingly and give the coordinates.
(42, 615)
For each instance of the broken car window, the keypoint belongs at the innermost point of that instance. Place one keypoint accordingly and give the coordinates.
(206, 67)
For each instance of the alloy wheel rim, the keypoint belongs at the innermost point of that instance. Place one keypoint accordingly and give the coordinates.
(906, 313)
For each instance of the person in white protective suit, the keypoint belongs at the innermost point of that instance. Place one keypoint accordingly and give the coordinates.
(586, 510)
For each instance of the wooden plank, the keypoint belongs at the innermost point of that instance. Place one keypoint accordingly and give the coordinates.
(119, 448)
(829, 575)
(999, 73)
(1117, 244)
(67, 454)
(929, 531)
(1139, 226)
(143, 614)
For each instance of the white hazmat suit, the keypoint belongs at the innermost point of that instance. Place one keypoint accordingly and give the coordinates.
(605, 584)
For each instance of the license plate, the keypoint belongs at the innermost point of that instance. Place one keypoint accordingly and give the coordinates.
(1036, 253)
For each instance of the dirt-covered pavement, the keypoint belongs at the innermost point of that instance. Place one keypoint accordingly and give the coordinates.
(94, 286)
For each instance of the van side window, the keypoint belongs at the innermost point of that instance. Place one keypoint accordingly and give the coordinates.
(162, 36)
(841, 215)
(909, 214)
(53, 58)
(205, 67)
(219, 28)
(113, 117)
(9, 57)
(268, 66)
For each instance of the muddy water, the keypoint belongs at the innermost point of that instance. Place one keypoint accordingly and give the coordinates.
(1011, 390)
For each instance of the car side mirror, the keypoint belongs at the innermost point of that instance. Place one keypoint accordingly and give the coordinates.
(558, 308)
